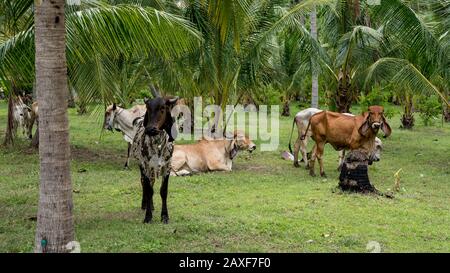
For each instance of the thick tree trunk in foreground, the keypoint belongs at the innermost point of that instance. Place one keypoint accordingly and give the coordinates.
(314, 76)
(54, 220)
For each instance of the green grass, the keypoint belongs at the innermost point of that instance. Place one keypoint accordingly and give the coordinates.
(264, 205)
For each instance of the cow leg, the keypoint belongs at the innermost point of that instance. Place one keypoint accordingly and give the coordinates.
(128, 156)
(163, 193)
(144, 195)
(304, 145)
(341, 159)
(319, 155)
(312, 161)
(296, 149)
(147, 191)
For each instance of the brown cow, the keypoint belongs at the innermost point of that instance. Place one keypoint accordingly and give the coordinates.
(209, 155)
(345, 132)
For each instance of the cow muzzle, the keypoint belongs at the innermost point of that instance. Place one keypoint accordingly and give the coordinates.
(151, 131)
(376, 125)
(251, 148)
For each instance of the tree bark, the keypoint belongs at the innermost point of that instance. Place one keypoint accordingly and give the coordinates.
(54, 220)
(10, 130)
(446, 114)
(314, 76)
(344, 95)
(286, 109)
(407, 117)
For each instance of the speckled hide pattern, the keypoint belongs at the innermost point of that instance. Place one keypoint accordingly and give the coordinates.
(154, 153)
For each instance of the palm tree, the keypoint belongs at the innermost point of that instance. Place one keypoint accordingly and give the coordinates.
(54, 221)
(315, 75)
(15, 16)
(418, 60)
(103, 43)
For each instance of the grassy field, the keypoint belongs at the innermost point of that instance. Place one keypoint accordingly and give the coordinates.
(264, 205)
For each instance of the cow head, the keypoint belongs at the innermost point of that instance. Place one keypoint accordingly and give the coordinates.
(110, 115)
(241, 142)
(374, 120)
(158, 116)
(20, 110)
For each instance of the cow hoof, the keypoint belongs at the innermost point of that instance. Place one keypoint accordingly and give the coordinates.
(165, 219)
(312, 174)
(147, 220)
(296, 164)
(323, 175)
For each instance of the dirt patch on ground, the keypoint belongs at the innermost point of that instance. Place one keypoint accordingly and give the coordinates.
(84, 154)
(259, 168)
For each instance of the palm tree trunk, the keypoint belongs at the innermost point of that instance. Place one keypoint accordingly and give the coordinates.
(315, 76)
(10, 130)
(286, 109)
(54, 220)
(407, 117)
(447, 114)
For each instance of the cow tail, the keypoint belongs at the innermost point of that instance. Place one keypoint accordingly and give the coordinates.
(290, 137)
(306, 131)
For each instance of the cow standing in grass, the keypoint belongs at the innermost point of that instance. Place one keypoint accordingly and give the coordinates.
(153, 147)
(344, 131)
(302, 120)
(120, 119)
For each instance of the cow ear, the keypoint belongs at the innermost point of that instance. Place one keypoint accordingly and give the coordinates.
(146, 100)
(234, 150)
(169, 128)
(145, 119)
(114, 107)
(386, 128)
(364, 128)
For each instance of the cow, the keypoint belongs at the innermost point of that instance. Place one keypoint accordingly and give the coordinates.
(209, 155)
(301, 119)
(120, 119)
(153, 147)
(345, 131)
(21, 116)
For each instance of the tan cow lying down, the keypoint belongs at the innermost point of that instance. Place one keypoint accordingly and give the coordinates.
(209, 155)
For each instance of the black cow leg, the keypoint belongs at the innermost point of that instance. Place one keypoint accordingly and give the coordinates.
(144, 195)
(148, 210)
(163, 192)
(147, 191)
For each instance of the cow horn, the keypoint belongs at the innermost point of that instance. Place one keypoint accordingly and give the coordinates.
(155, 92)
(173, 100)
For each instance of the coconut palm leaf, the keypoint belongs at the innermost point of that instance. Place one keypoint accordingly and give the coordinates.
(402, 73)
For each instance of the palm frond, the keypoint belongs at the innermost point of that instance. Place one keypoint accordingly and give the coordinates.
(404, 74)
